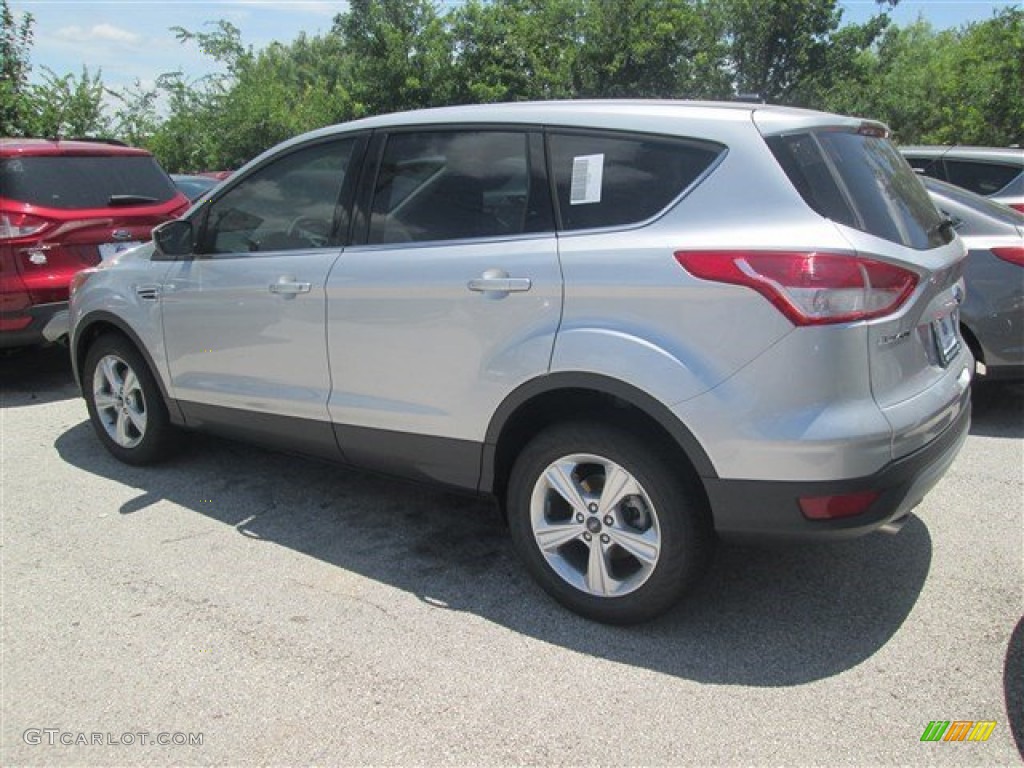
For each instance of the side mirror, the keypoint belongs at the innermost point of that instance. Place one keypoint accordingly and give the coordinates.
(173, 239)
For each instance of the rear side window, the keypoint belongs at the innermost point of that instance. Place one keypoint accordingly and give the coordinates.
(863, 182)
(74, 182)
(609, 180)
(981, 178)
(453, 185)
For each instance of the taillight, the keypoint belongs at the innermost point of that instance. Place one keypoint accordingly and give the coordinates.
(1017, 207)
(15, 225)
(832, 507)
(1011, 253)
(809, 288)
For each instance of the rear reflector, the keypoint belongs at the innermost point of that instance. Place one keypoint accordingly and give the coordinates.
(1013, 254)
(809, 288)
(832, 507)
(14, 323)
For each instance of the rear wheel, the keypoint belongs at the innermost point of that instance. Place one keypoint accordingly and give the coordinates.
(125, 405)
(604, 523)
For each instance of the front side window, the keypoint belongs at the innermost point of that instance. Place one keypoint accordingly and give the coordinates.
(290, 204)
(614, 180)
(451, 185)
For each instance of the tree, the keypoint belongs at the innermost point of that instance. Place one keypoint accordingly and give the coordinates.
(136, 120)
(15, 43)
(987, 82)
(943, 87)
(650, 49)
(790, 51)
(67, 105)
(400, 54)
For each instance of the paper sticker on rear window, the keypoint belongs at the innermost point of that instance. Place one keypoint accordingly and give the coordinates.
(587, 174)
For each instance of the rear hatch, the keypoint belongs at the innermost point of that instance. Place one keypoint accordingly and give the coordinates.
(852, 175)
(68, 212)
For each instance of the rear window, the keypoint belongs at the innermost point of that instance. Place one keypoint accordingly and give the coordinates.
(862, 182)
(72, 182)
(608, 180)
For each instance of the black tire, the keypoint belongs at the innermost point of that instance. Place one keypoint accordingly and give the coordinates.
(666, 510)
(131, 419)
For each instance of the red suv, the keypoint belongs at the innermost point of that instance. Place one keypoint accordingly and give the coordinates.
(64, 206)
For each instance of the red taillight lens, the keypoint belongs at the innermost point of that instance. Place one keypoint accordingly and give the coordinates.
(15, 225)
(832, 507)
(1017, 207)
(1012, 253)
(79, 279)
(809, 288)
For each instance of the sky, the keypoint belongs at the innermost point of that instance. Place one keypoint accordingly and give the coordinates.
(129, 40)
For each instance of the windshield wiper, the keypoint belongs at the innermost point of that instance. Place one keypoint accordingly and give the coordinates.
(118, 200)
(946, 226)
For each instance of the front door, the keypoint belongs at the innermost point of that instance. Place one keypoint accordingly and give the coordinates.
(243, 319)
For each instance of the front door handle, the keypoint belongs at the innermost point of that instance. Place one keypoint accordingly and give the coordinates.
(497, 284)
(289, 287)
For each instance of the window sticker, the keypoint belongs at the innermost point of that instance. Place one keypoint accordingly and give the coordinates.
(587, 175)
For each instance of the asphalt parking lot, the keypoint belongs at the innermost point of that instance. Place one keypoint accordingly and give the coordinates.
(255, 608)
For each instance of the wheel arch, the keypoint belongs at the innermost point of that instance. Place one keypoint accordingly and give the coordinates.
(96, 324)
(569, 395)
(972, 342)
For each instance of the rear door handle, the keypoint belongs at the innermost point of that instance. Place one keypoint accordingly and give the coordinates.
(497, 283)
(289, 287)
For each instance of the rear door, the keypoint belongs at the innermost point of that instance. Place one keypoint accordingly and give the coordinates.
(450, 300)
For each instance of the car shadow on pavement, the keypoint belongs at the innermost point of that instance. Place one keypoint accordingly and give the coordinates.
(761, 617)
(1013, 685)
(998, 409)
(36, 375)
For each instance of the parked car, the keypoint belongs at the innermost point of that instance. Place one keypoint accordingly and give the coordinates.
(640, 325)
(64, 206)
(994, 172)
(194, 187)
(992, 316)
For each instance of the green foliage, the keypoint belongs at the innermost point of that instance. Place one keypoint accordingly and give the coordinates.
(667, 49)
(387, 55)
(136, 118)
(15, 43)
(774, 44)
(399, 55)
(943, 87)
(67, 106)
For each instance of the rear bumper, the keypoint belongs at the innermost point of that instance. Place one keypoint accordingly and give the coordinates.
(765, 509)
(41, 315)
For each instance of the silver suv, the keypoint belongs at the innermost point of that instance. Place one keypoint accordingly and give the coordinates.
(639, 325)
(995, 172)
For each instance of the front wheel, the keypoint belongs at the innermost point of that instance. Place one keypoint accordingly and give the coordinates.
(125, 405)
(605, 524)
